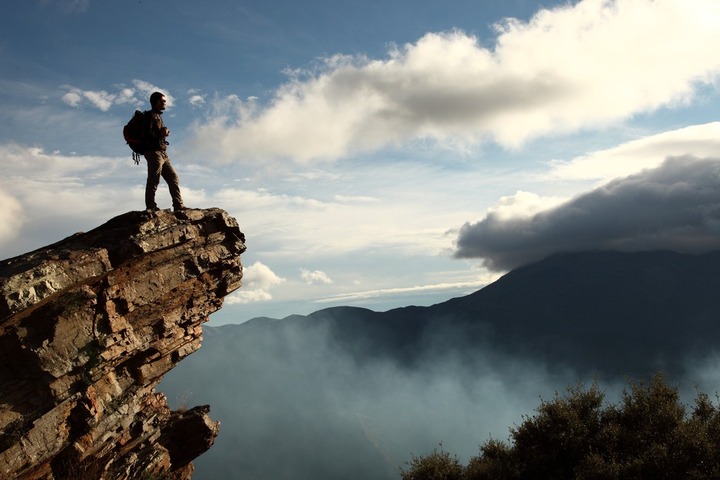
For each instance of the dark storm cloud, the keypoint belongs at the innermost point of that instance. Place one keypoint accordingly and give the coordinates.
(675, 207)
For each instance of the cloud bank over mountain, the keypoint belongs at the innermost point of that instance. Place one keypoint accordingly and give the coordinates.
(675, 206)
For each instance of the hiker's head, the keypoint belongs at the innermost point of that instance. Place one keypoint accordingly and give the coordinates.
(157, 101)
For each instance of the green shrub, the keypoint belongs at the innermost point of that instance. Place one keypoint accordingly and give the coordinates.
(648, 434)
(438, 465)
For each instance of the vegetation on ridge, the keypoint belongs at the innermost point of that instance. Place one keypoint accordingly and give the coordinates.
(650, 433)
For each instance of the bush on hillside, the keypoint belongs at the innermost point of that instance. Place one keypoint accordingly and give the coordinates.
(438, 465)
(650, 433)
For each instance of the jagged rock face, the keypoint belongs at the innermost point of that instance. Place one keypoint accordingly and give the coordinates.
(88, 327)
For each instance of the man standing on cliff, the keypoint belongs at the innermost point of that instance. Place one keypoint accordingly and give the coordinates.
(158, 161)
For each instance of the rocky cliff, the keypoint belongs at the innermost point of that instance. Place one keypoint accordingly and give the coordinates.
(88, 327)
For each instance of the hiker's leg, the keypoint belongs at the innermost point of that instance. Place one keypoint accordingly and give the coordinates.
(154, 163)
(173, 181)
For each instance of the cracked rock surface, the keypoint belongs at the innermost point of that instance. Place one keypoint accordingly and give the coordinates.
(88, 327)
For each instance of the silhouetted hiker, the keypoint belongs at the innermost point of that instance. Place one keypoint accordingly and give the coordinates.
(157, 158)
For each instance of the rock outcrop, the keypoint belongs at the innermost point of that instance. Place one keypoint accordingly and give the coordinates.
(88, 327)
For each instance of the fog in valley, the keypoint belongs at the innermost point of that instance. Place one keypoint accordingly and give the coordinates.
(295, 405)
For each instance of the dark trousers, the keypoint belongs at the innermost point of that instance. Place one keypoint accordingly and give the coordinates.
(159, 166)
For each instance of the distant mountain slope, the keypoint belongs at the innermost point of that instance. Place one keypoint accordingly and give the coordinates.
(606, 312)
(612, 312)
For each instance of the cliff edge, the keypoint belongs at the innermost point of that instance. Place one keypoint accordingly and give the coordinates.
(88, 327)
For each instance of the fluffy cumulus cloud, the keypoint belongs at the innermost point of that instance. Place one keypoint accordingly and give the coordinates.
(195, 98)
(567, 68)
(522, 205)
(137, 94)
(675, 206)
(315, 277)
(258, 280)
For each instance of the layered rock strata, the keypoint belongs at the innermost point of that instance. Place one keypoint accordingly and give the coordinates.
(88, 327)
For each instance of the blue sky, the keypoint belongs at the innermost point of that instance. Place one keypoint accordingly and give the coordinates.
(377, 154)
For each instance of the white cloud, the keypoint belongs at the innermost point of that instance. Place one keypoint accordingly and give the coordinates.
(102, 99)
(126, 96)
(33, 163)
(258, 280)
(647, 152)
(523, 205)
(316, 276)
(487, 278)
(138, 95)
(576, 66)
(195, 98)
(73, 97)
(313, 221)
(59, 194)
(145, 89)
(354, 199)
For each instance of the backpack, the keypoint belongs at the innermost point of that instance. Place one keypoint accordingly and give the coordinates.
(135, 134)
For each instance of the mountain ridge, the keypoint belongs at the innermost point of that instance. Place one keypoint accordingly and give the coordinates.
(590, 295)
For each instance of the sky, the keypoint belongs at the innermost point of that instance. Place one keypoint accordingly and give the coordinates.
(377, 154)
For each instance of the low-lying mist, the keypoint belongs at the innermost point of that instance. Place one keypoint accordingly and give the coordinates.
(294, 405)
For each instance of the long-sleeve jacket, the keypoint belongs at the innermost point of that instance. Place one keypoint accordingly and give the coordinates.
(157, 132)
